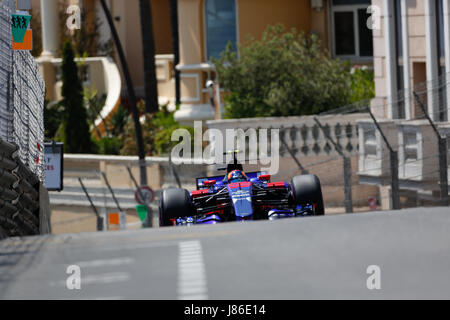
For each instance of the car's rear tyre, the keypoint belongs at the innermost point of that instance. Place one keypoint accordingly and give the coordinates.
(174, 203)
(307, 189)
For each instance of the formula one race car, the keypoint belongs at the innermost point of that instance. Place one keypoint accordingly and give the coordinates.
(238, 196)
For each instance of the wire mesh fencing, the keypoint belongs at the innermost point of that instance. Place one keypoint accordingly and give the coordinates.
(376, 154)
(324, 145)
(404, 147)
(22, 95)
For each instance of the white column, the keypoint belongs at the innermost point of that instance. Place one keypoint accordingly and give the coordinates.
(406, 62)
(49, 18)
(391, 72)
(432, 59)
(447, 50)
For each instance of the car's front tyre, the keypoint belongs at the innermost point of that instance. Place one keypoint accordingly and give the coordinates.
(306, 189)
(174, 203)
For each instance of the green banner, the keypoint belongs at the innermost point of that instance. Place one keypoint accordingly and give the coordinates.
(142, 212)
(19, 24)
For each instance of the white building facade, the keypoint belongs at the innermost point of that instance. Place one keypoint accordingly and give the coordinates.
(411, 55)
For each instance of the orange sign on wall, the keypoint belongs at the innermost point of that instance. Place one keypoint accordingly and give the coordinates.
(27, 43)
(114, 219)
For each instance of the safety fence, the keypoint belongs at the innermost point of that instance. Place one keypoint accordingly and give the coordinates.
(24, 206)
(22, 94)
(404, 146)
(96, 186)
(325, 145)
(372, 155)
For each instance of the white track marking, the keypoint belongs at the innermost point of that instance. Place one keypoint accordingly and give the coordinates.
(134, 246)
(191, 272)
(105, 263)
(88, 299)
(104, 278)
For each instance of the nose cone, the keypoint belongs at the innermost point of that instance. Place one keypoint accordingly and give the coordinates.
(242, 200)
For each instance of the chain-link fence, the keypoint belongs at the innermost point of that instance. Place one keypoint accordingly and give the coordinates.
(404, 147)
(375, 154)
(22, 94)
(325, 145)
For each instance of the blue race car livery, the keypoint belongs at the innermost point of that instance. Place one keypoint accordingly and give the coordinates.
(238, 196)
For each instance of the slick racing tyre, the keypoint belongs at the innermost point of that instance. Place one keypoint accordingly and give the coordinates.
(307, 189)
(174, 203)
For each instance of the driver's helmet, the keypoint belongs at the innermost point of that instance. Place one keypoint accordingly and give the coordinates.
(236, 176)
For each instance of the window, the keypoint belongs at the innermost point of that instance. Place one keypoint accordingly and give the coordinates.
(352, 38)
(220, 20)
(370, 143)
(410, 146)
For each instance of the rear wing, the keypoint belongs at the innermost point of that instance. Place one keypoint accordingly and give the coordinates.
(250, 175)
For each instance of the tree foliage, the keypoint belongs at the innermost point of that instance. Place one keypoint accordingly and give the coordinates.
(87, 40)
(283, 74)
(76, 135)
(363, 85)
(157, 131)
(53, 112)
(36, 25)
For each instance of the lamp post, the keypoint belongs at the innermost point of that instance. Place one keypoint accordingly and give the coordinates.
(131, 94)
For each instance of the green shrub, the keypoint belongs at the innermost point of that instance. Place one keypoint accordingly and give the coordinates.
(157, 130)
(283, 74)
(109, 146)
(94, 105)
(363, 85)
(119, 120)
(53, 113)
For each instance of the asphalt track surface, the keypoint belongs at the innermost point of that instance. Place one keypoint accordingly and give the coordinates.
(294, 259)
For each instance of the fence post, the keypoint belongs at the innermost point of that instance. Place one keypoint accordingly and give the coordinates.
(347, 167)
(99, 219)
(443, 172)
(299, 165)
(442, 145)
(174, 171)
(111, 191)
(395, 184)
(393, 155)
(348, 185)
